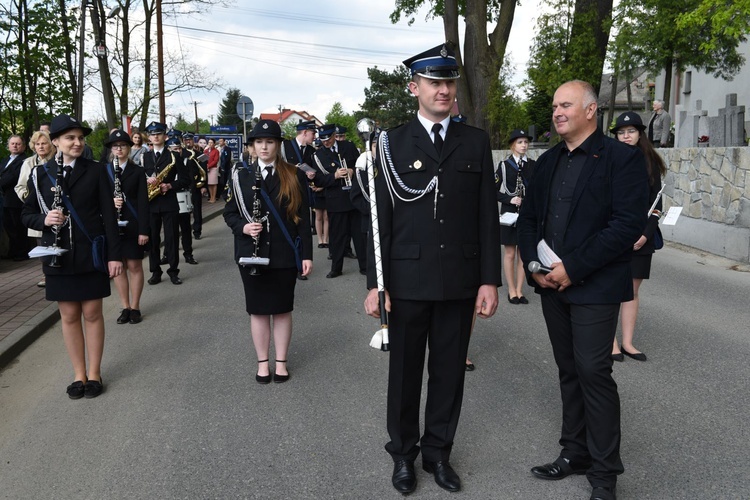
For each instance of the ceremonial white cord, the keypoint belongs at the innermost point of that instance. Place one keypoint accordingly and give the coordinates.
(390, 168)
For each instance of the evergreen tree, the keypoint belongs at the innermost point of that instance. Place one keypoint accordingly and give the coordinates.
(228, 109)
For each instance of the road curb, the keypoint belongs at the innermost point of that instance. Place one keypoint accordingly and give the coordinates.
(21, 338)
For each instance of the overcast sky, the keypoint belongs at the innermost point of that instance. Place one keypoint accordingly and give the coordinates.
(307, 55)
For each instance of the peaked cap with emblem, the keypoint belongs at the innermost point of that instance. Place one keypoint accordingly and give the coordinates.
(63, 123)
(118, 136)
(517, 134)
(326, 131)
(175, 133)
(173, 142)
(628, 118)
(306, 125)
(156, 128)
(265, 129)
(188, 136)
(438, 63)
(340, 129)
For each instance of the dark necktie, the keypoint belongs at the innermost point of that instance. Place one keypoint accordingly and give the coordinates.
(158, 154)
(66, 178)
(438, 138)
(269, 172)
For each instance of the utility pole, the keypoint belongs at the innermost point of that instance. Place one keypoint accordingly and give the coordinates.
(160, 63)
(195, 104)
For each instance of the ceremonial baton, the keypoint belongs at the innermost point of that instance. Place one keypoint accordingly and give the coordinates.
(380, 339)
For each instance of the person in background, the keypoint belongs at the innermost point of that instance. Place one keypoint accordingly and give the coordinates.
(74, 283)
(269, 289)
(138, 149)
(659, 125)
(135, 235)
(512, 179)
(629, 129)
(10, 170)
(212, 170)
(44, 151)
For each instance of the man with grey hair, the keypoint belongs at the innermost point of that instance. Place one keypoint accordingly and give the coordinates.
(10, 169)
(586, 206)
(660, 125)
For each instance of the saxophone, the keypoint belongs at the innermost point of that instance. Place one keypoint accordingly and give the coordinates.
(154, 189)
(200, 179)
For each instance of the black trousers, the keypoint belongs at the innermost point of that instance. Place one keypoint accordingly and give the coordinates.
(171, 234)
(186, 237)
(18, 241)
(343, 226)
(582, 337)
(445, 327)
(197, 198)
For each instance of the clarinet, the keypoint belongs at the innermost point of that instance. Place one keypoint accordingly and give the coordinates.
(257, 217)
(57, 204)
(118, 192)
(520, 188)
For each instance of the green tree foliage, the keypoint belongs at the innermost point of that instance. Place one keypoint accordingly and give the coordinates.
(204, 127)
(388, 101)
(483, 51)
(228, 109)
(339, 117)
(33, 84)
(663, 34)
(504, 109)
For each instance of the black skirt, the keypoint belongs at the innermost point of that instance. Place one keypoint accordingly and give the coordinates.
(270, 292)
(76, 287)
(508, 234)
(131, 249)
(640, 266)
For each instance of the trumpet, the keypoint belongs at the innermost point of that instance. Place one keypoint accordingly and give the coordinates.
(347, 180)
(57, 204)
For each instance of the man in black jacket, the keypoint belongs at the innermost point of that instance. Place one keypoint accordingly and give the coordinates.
(440, 245)
(10, 168)
(167, 175)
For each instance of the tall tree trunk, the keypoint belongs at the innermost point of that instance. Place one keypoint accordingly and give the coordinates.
(148, 9)
(612, 100)
(667, 83)
(69, 50)
(593, 17)
(629, 90)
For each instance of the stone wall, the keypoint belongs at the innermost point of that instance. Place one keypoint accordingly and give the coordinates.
(713, 187)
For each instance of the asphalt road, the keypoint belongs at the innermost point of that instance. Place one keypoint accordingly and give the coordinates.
(182, 416)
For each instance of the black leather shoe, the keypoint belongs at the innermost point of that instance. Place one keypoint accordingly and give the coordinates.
(154, 279)
(263, 379)
(135, 316)
(470, 367)
(280, 379)
(197, 236)
(445, 476)
(638, 356)
(190, 260)
(404, 479)
(559, 469)
(617, 357)
(513, 300)
(523, 300)
(350, 255)
(163, 261)
(301, 278)
(92, 389)
(124, 317)
(333, 274)
(175, 280)
(602, 493)
(75, 390)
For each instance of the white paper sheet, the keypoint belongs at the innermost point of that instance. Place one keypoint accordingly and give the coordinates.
(546, 255)
(672, 215)
(41, 251)
(508, 218)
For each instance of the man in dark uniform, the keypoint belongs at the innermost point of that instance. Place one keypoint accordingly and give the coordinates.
(199, 186)
(299, 151)
(175, 145)
(588, 203)
(166, 174)
(343, 218)
(348, 151)
(225, 166)
(440, 246)
(10, 169)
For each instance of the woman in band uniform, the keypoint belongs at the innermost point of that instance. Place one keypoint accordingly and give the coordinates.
(76, 285)
(629, 129)
(511, 179)
(271, 292)
(134, 210)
